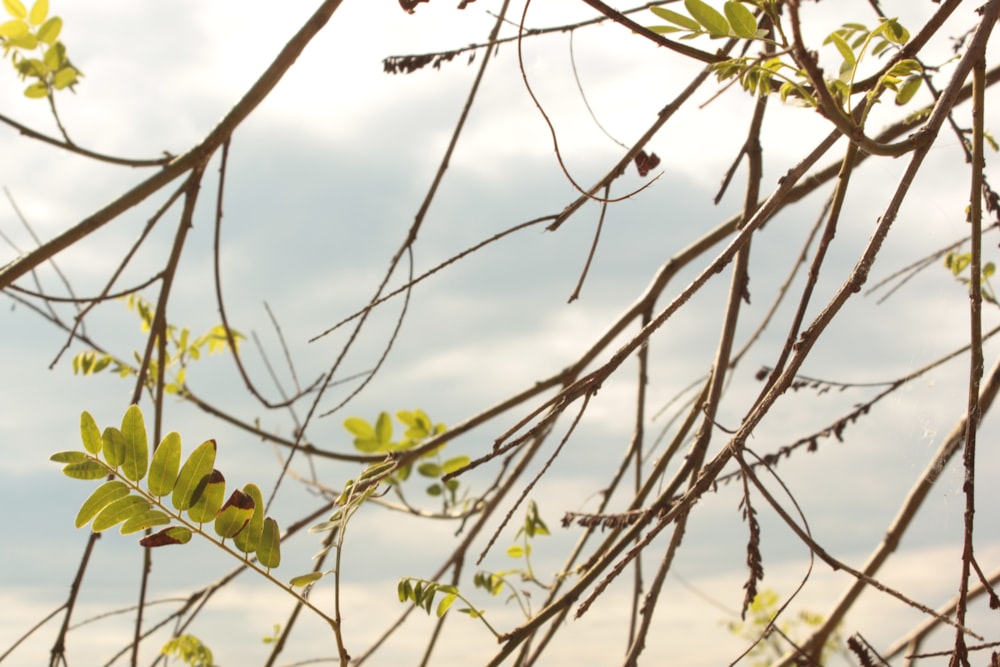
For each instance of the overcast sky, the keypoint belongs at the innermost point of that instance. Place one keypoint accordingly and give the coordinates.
(324, 181)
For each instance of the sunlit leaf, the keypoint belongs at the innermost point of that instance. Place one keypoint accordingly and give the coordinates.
(90, 433)
(172, 535)
(65, 77)
(197, 467)
(515, 551)
(234, 515)
(144, 520)
(455, 463)
(741, 19)
(136, 459)
(102, 496)
(714, 23)
(908, 89)
(68, 457)
(446, 602)
(164, 466)
(85, 470)
(36, 90)
(39, 11)
(14, 29)
(49, 32)
(684, 22)
(113, 446)
(210, 496)
(383, 429)
(248, 539)
(118, 511)
(15, 8)
(269, 549)
(305, 579)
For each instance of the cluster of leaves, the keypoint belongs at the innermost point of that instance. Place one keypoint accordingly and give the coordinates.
(189, 650)
(958, 262)
(196, 491)
(422, 592)
(761, 75)
(182, 348)
(31, 38)
(761, 613)
(377, 438)
(495, 582)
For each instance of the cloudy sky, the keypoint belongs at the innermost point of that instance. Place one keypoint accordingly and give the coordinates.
(324, 181)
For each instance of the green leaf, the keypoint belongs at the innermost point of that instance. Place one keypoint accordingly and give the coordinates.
(677, 19)
(165, 464)
(136, 460)
(305, 579)
(713, 22)
(446, 602)
(145, 520)
(103, 496)
(455, 463)
(68, 457)
(741, 19)
(248, 539)
(39, 11)
(383, 429)
(14, 29)
(65, 77)
(85, 470)
(49, 32)
(198, 466)
(114, 446)
(359, 427)
(90, 433)
(845, 50)
(36, 91)
(515, 551)
(269, 549)
(429, 469)
(404, 589)
(172, 535)
(895, 32)
(15, 8)
(118, 511)
(234, 515)
(908, 89)
(209, 498)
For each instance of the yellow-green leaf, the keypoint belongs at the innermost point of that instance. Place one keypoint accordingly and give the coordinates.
(234, 515)
(446, 602)
(677, 19)
(90, 433)
(136, 460)
(144, 520)
(12, 29)
(709, 17)
(172, 535)
(15, 8)
(269, 549)
(103, 496)
(118, 511)
(114, 446)
(209, 499)
(741, 19)
(68, 457)
(49, 32)
(198, 466)
(65, 77)
(166, 462)
(248, 539)
(85, 470)
(305, 579)
(36, 90)
(39, 11)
